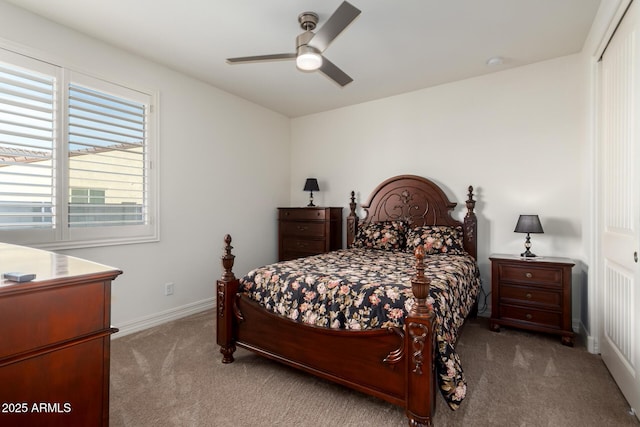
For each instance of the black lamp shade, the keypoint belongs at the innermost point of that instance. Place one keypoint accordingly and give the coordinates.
(528, 224)
(311, 185)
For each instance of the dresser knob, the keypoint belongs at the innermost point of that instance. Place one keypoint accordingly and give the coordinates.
(528, 316)
(528, 295)
(302, 228)
(528, 275)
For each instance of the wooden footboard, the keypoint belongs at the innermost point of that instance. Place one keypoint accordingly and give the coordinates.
(392, 364)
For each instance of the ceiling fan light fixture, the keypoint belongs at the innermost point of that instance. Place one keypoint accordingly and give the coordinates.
(308, 59)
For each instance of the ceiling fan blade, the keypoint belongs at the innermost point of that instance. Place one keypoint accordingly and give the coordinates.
(341, 18)
(330, 70)
(273, 57)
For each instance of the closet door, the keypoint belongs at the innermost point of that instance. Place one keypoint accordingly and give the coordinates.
(619, 216)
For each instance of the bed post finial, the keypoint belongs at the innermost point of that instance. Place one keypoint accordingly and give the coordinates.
(352, 205)
(228, 259)
(471, 204)
(352, 221)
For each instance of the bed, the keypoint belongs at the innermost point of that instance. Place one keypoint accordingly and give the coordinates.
(388, 324)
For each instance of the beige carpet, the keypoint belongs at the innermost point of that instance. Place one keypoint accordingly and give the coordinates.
(171, 375)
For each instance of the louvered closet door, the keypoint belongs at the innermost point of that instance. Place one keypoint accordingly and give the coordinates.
(619, 154)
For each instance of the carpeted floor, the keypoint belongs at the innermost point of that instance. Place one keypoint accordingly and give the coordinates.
(172, 375)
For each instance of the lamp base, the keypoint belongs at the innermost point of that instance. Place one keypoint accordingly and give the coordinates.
(311, 205)
(527, 245)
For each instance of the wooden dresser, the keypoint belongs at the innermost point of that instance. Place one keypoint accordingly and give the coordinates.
(308, 231)
(55, 345)
(533, 294)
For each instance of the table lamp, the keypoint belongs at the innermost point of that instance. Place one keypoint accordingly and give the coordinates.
(528, 224)
(311, 185)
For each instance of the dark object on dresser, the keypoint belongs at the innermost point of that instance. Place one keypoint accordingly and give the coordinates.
(55, 346)
(528, 224)
(308, 231)
(533, 294)
(311, 185)
(394, 364)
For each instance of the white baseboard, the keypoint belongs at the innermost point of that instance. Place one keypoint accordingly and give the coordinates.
(156, 319)
(589, 340)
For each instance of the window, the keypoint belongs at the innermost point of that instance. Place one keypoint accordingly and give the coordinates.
(76, 157)
(87, 196)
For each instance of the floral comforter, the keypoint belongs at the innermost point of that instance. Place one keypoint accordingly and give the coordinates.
(368, 288)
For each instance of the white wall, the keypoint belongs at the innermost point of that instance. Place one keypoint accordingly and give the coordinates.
(213, 146)
(515, 135)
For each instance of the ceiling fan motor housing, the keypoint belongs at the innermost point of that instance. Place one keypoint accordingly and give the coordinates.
(303, 39)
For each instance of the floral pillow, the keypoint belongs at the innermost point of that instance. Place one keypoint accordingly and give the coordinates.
(385, 235)
(436, 239)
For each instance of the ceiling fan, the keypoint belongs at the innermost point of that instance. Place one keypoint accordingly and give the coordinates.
(310, 45)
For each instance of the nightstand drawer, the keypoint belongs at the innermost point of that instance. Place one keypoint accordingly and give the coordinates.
(303, 229)
(530, 296)
(531, 274)
(303, 214)
(531, 315)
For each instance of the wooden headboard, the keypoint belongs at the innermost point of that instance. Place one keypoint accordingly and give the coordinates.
(418, 201)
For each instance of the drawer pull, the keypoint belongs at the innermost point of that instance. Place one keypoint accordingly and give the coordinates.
(528, 275)
(302, 244)
(302, 228)
(528, 316)
(528, 295)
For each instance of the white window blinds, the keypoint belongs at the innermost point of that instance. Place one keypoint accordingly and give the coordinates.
(27, 141)
(107, 151)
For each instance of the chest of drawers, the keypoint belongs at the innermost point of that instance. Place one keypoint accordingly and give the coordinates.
(55, 345)
(533, 294)
(308, 231)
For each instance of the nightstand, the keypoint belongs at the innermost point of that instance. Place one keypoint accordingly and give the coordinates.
(533, 294)
(308, 231)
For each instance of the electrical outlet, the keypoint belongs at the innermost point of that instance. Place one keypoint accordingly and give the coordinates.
(168, 288)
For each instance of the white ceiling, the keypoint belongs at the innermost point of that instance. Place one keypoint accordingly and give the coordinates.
(394, 46)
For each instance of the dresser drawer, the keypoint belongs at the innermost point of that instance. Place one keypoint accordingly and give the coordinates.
(305, 246)
(530, 296)
(302, 229)
(302, 214)
(531, 274)
(38, 319)
(531, 315)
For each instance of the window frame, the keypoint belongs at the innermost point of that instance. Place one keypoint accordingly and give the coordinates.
(61, 236)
